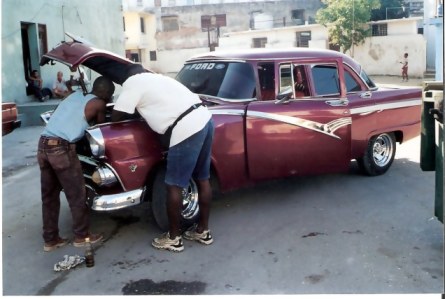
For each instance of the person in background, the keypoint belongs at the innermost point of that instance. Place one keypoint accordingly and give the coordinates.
(404, 63)
(35, 84)
(161, 101)
(75, 76)
(60, 90)
(60, 167)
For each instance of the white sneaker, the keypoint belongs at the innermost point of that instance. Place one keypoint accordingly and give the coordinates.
(204, 238)
(164, 242)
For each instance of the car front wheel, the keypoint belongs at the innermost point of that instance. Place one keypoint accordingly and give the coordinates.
(379, 154)
(190, 207)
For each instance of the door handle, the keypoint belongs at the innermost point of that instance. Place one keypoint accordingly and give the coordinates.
(366, 95)
(338, 103)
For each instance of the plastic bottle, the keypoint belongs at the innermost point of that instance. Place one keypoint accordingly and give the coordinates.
(89, 254)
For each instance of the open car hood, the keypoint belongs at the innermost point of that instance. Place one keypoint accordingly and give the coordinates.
(77, 53)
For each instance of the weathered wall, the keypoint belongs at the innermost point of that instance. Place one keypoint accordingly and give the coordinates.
(238, 17)
(98, 21)
(381, 55)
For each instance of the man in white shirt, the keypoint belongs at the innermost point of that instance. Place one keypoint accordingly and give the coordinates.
(60, 90)
(161, 101)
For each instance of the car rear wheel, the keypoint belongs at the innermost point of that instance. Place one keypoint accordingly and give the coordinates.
(379, 154)
(190, 207)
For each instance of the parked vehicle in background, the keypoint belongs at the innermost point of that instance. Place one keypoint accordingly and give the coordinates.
(9, 118)
(277, 113)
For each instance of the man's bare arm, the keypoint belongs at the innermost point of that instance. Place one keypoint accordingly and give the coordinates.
(119, 115)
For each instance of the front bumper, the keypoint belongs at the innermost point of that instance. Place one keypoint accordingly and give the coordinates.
(117, 201)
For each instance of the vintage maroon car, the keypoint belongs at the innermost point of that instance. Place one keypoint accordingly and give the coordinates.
(277, 113)
(9, 118)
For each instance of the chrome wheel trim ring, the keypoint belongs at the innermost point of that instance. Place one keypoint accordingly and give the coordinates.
(190, 207)
(382, 150)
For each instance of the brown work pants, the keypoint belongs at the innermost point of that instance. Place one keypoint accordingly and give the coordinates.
(60, 169)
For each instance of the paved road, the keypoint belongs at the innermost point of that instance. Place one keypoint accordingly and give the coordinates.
(331, 234)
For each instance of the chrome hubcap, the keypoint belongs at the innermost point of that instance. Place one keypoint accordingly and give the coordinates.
(383, 149)
(190, 207)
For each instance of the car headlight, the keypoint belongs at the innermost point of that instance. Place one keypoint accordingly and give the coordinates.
(97, 142)
(103, 176)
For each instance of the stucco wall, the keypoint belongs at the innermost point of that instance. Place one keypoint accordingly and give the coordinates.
(98, 21)
(238, 17)
(381, 55)
(170, 62)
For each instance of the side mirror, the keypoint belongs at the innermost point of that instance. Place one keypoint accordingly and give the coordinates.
(284, 96)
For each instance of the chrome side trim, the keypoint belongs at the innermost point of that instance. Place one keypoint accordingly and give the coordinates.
(238, 112)
(395, 105)
(327, 129)
(117, 201)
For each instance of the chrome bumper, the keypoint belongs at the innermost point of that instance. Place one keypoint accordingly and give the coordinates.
(116, 201)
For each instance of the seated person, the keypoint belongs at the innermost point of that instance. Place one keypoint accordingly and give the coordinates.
(300, 85)
(60, 90)
(75, 77)
(35, 84)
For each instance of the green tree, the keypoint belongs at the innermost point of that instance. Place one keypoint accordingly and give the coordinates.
(391, 9)
(346, 21)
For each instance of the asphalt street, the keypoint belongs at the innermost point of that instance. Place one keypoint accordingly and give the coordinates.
(329, 234)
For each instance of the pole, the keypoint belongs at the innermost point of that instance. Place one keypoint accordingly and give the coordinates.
(353, 27)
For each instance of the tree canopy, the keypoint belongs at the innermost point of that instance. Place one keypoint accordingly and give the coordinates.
(346, 21)
(391, 9)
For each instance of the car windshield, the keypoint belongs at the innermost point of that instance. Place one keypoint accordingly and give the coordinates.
(228, 80)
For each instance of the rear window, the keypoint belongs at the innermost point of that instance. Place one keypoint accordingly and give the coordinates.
(229, 80)
(326, 80)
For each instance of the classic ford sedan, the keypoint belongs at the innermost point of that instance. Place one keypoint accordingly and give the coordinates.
(277, 113)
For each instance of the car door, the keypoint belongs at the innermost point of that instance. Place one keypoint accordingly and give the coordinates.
(308, 134)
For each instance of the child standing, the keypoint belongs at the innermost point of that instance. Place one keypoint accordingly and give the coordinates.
(404, 63)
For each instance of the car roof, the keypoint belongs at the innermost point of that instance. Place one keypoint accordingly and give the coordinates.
(275, 54)
(77, 53)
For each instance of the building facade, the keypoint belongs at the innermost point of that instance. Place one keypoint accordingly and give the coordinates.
(31, 28)
(162, 34)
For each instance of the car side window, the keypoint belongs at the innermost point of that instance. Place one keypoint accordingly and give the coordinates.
(266, 77)
(351, 84)
(300, 81)
(293, 77)
(285, 77)
(325, 79)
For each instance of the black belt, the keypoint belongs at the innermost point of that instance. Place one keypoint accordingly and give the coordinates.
(54, 141)
(193, 107)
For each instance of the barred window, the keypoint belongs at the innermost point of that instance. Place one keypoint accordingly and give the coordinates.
(153, 56)
(303, 39)
(142, 22)
(379, 29)
(259, 42)
(170, 23)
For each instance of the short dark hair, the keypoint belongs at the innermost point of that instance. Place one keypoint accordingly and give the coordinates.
(103, 85)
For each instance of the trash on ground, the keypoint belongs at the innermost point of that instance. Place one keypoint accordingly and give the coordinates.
(70, 261)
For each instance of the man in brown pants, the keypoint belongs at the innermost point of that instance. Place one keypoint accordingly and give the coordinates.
(60, 167)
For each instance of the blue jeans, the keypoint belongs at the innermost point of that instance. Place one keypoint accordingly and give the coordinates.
(190, 158)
